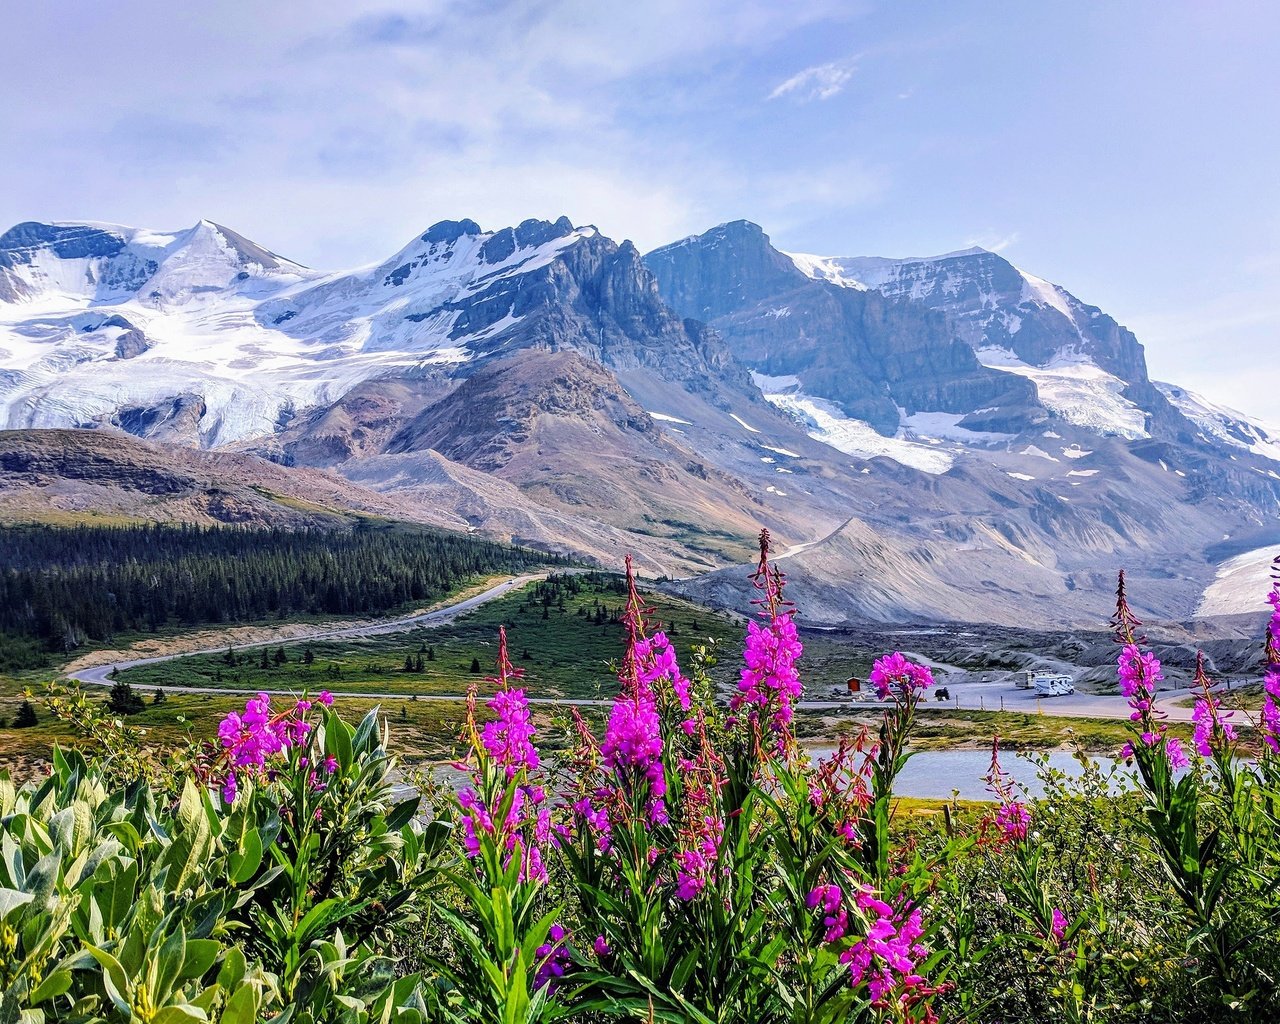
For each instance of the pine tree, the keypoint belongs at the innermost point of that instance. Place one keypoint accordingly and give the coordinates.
(408, 663)
(123, 701)
(431, 654)
(308, 656)
(159, 696)
(475, 664)
(417, 663)
(281, 657)
(266, 662)
(26, 716)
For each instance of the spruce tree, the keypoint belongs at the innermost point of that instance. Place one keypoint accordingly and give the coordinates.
(475, 664)
(123, 701)
(26, 716)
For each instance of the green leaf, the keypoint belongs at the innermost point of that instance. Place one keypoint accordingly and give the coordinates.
(337, 740)
(244, 863)
(242, 1006)
(201, 954)
(183, 1014)
(113, 978)
(55, 983)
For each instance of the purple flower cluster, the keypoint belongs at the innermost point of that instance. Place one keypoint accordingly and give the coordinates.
(769, 684)
(886, 959)
(506, 743)
(835, 919)
(1212, 725)
(896, 676)
(632, 745)
(655, 660)
(1058, 927)
(251, 739)
(508, 738)
(553, 959)
(1139, 671)
(1014, 820)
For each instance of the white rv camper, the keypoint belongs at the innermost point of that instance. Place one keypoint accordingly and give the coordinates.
(1050, 684)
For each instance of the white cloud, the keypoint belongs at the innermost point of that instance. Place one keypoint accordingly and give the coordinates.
(820, 82)
(994, 242)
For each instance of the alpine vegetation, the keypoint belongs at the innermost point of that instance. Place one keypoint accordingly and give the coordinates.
(681, 860)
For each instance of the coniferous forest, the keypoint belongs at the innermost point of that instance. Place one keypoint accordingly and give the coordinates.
(61, 587)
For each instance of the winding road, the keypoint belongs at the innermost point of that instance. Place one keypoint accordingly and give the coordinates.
(972, 695)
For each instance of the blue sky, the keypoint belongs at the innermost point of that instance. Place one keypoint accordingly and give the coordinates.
(1129, 151)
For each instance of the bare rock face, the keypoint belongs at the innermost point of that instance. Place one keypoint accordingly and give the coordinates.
(869, 354)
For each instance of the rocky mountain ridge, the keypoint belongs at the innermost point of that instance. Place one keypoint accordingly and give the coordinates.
(945, 437)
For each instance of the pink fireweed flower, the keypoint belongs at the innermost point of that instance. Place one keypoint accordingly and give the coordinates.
(632, 745)
(508, 739)
(1058, 927)
(835, 918)
(1014, 820)
(251, 740)
(887, 958)
(1213, 728)
(1012, 817)
(896, 676)
(1177, 756)
(553, 959)
(504, 752)
(769, 682)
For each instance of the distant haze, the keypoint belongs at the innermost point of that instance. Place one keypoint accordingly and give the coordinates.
(1125, 151)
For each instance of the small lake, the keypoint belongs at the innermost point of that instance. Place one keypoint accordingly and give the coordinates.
(941, 774)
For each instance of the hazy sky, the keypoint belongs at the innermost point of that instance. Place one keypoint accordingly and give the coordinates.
(1129, 151)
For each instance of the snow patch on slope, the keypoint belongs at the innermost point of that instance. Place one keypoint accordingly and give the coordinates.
(1241, 584)
(826, 422)
(824, 268)
(1077, 389)
(1222, 424)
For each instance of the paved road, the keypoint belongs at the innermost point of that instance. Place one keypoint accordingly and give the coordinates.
(968, 696)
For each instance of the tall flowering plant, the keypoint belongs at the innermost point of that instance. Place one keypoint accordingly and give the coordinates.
(332, 853)
(512, 949)
(1197, 863)
(1058, 940)
(662, 854)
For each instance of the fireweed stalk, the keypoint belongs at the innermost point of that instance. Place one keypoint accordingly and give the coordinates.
(902, 682)
(507, 799)
(1269, 724)
(255, 745)
(1043, 928)
(1198, 867)
(513, 959)
(769, 684)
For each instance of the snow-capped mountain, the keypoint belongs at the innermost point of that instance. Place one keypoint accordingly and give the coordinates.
(101, 322)
(1222, 425)
(952, 420)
